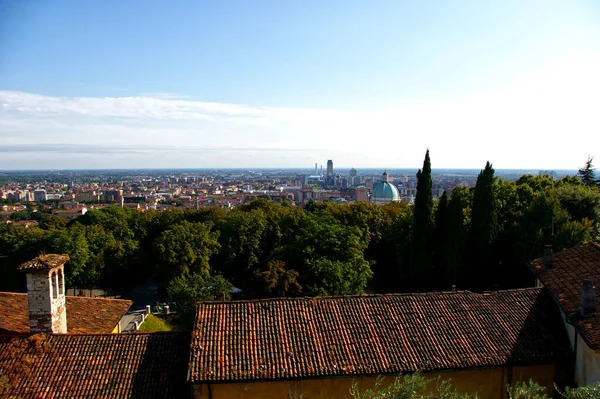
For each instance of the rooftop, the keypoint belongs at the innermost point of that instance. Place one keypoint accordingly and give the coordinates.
(84, 315)
(372, 335)
(151, 365)
(44, 262)
(569, 268)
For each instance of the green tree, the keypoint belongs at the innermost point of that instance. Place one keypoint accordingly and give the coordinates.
(278, 281)
(587, 174)
(456, 236)
(421, 261)
(73, 242)
(184, 292)
(328, 256)
(481, 261)
(183, 249)
(440, 242)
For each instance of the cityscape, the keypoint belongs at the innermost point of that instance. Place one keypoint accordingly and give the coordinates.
(72, 193)
(339, 199)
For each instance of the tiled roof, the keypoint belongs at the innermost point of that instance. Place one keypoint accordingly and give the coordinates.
(42, 262)
(84, 315)
(569, 268)
(371, 335)
(132, 365)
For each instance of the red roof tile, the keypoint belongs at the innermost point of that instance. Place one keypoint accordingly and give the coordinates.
(372, 335)
(42, 262)
(84, 315)
(569, 268)
(95, 366)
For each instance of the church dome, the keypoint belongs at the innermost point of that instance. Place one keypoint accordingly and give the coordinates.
(384, 192)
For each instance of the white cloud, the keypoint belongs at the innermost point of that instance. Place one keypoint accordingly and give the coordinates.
(548, 120)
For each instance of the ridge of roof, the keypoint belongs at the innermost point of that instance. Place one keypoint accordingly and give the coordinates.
(71, 296)
(355, 296)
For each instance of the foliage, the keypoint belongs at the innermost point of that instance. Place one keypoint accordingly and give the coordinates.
(153, 323)
(277, 280)
(587, 173)
(410, 386)
(584, 392)
(526, 390)
(420, 259)
(481, 262)
(184, 249)
(268, 249)
(183, 292)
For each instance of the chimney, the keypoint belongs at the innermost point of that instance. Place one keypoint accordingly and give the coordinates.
(588, 299)
(46, 293)
(548, 257)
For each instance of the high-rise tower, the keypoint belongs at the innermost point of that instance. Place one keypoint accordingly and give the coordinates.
(329, 167)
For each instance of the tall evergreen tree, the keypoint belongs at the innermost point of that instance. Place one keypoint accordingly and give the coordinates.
(456, 237)
(421, 259)
(439, 242)
(482, 234)
(587, 174)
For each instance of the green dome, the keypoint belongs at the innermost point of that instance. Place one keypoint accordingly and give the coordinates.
(384, 191)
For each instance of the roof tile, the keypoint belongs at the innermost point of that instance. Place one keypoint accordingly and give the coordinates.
(99, 366)
(370, 335)
(84, 315)
(569, 268)
(42, 262)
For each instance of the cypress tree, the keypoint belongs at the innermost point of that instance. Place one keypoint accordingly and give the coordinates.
(456, 237)
(420, 260)
(482, 234)
(439, 243)
(587, 174)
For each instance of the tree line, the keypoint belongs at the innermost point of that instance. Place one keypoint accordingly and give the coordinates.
(476, 238)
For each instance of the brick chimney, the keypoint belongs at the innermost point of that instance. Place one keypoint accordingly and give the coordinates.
(588, 299)
(46, 293)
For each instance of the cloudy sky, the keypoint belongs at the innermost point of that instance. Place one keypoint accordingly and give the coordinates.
(107, 84)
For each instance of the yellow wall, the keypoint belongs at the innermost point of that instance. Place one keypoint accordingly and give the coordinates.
(117, 329)
(488, 383)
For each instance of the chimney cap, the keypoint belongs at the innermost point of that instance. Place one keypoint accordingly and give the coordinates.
(44, 262)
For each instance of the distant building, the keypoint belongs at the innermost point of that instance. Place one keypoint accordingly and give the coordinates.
(352, 172)
(39, 195)
(361, 194)
(384, 192)
(87, 196)
(112, 195)
(329, 167)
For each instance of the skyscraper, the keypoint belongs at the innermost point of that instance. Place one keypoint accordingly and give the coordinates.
(329, 167)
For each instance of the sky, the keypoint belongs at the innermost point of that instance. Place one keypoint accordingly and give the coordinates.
(236, 84)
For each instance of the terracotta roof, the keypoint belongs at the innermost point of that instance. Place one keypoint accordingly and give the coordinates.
(44, 262)
(569, 268)
(132, 365)
(372, 335)
(84, 315)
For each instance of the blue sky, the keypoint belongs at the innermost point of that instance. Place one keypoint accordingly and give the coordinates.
(95, 84)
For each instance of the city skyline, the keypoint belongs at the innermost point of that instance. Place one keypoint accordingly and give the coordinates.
(110, 86)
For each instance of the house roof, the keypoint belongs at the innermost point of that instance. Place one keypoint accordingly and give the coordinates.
(569, 268)
(372, 335)
(84, 315)
(44, 262)
(132, 365)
